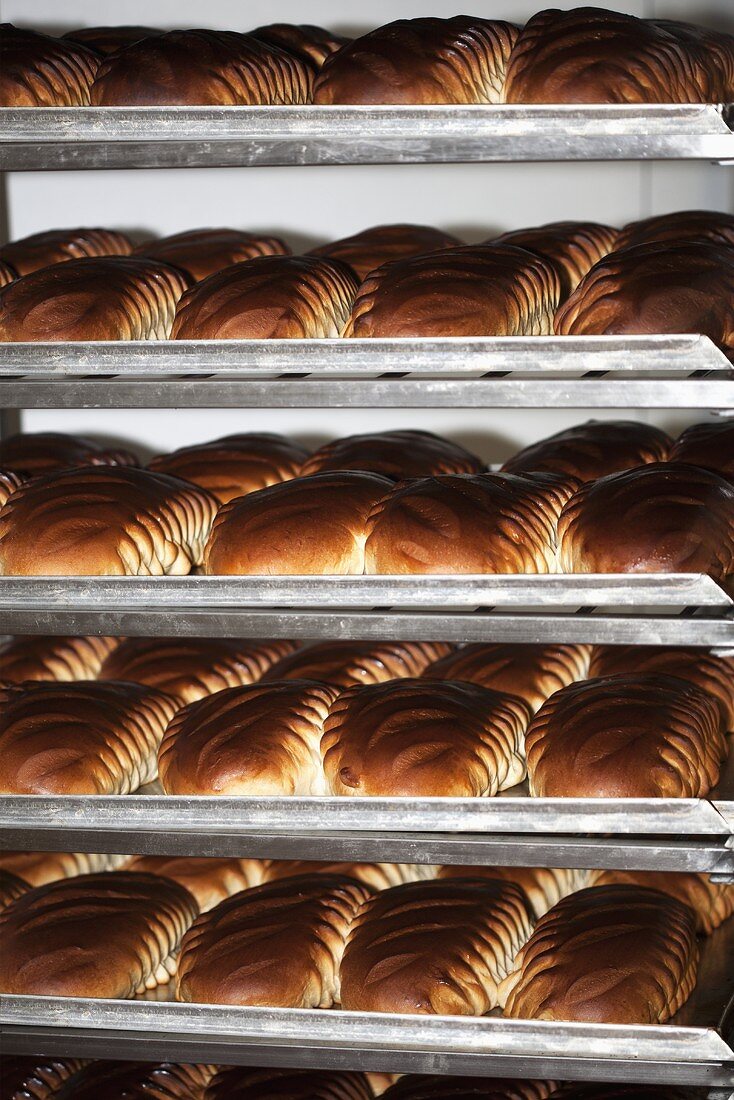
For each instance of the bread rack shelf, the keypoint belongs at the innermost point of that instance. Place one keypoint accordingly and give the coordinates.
(679, 371)
(694, 1049)
(178, 137)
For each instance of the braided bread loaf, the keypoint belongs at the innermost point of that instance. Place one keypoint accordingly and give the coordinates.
(345, 663)
(572, 248)
(39, 71)
(396, 454)
(39, 657)
(208, 880)
(55, 246)
(682, 225)
(377, 245)
(38, 868)
(542, 886)
(712, 902)
(593, 450)
(202, 252)
(35, 453)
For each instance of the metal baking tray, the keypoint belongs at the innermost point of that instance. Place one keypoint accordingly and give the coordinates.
(677, 371)
(652, 608)
(695, 1048)
(177, 137)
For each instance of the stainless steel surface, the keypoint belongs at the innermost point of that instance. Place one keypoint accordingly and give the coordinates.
(158, 137)
(689, 1050)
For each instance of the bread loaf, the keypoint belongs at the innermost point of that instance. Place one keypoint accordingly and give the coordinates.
(278, 945)
(39, 71)
(416, 738)
(7, 274)
(104, 520)
(260, 740)
(201, 67)
(683, 225)
(311, 44)
(434, 947)
(34, 453)
(593, 450)
(590, 55)
(244, 1083)
(636, 736)
(100, 298)
(106, 40)
(710, 445)
(420, 1087)
(473, 290)
(713, 56)
(379, 876)
(712, 902)
(33, 1077)
(377, 245)
(139, 1081)
(38, 868)
(656, 288)
(713, 674)
(285, 530)
(11, 887)
(80, 738)
(542, 886)
(466, 523)
(607, 954)
(208, 880)
(572, 248)
(55, 246)
(191, 668)
(345, 663)
(396, 455)
(109, 935)
(418, 61)
(659, 518)
(532, 672)
(202, 252)
(271, 297)
(235, 465)
(39, 657)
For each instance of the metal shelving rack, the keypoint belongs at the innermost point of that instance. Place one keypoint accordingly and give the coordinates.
(681, 372)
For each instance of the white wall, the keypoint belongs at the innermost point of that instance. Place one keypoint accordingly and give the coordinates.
(309, 204)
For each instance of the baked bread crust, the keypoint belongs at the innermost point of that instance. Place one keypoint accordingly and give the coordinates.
(346, 663)
(279, 944)
(37, 70)
(38, 868)
(396, 455)
(35, 453)
(708, 445)
(681, 225)
(571, 247)
(543, 886)
(312, 44)
(203, 252)
(379, 244)
(208, 880)
(39, 657)
(55, 246)
(712, 902)
(593, 450)
(106, 40)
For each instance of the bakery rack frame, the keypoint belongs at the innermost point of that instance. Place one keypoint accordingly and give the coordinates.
(681, 372)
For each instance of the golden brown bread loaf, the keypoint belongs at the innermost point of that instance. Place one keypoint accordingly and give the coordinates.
(279, 944)
(9, 482)
(191, 668)
(713, 674)
(236, 464)
(542, 886)
(591, 55)
(712, 902)
(713, 56)
(39, 657)
(34, 1077)
(607, 954)
(7, 274)
(379, 244)
(682, 225)
(202, 252)
(379, 876)
(208, 880)
(11, 887)
(105, 520)
(281, 530)
(35, 453)
(56, 246)
(571, 247)
(593, 450)
(472, 290)
(345, 663)
(106, 40)
(467, 523)
(710, 445)
(80, 738)
(532, 672)
(39, 71)
(259, 740)
(420, 1087)
(397, 455)
(98, 298)
(665, 517)
(201, 67)
(434, 947)
(310, 43)
(417, 738)
(655, 288)
(636, 736)
(417, 61)
(244, 1083)
(38, 868)
(139, 1081)
(271, 297)
(108, 935)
